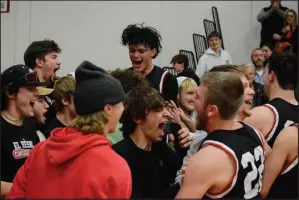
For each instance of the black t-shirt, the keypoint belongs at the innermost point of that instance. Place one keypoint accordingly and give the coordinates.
(153, 171)
(188, 72)
(16, 142)
(164, 82)
(244, 145)
(55, 123)
(51, 113)
(284, 113)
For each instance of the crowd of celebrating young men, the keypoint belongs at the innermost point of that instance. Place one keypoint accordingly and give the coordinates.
(183, 137)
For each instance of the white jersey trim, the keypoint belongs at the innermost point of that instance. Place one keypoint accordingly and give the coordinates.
(162, 81)
(275, 123)
(232, 154)
(292, 165)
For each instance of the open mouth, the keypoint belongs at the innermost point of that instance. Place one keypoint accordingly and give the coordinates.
(162, 125)
(137, 62)
(248, 102)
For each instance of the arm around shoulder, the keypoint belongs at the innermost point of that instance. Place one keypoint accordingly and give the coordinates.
(205, 171)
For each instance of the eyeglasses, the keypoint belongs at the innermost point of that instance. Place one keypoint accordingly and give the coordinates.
(290, 16)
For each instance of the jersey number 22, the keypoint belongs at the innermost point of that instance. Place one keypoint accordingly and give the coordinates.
(255, 174)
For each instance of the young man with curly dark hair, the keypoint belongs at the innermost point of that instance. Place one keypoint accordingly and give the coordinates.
(144, 45)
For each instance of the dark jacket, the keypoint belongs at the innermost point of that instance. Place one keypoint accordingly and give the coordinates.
(259, 97)
(188, 72)
(272, 22)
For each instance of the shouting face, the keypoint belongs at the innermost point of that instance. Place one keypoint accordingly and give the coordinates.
(141, 57)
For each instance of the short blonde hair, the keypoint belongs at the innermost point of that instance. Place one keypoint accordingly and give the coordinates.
(91, 123)
(186, 85)
(225, 90)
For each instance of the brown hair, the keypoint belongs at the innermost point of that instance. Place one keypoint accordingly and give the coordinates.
(293, 26)
(138, 103)
(63, 88)
(241, 70)
(225, 90)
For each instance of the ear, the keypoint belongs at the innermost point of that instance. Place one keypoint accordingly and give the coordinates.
(108, 110)
(39, 62)
(10, 96)
(65, 102)
(153, 52)
(272, 76)
(212, 110)
(137, 121)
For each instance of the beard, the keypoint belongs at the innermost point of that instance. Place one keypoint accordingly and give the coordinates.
(258, 64)
(201, 122)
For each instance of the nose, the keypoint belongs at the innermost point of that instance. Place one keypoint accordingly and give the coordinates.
(251, 92)
(46, 106)
(166, 113)
(58, 62)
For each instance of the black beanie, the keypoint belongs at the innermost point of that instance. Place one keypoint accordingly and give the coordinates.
(95, 89)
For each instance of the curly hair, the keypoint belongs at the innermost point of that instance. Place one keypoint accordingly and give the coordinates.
(129, 79)
(138, 34)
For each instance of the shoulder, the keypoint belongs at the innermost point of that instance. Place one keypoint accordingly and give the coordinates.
(123, 147)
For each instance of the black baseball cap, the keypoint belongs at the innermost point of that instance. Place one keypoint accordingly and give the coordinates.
(20, 75)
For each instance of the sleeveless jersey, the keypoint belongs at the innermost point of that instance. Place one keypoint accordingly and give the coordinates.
(245, 146)
(284, 113)
(286, 184)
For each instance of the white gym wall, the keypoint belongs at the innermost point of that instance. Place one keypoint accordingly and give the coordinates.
(91, 30)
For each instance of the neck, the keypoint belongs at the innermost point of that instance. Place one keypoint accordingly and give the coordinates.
(219, 124)
(216, 50)
(39, 74)
(64, 117)
(12, 115)
(141, 140)
(259, 69)
(287, 95)
(148, 69)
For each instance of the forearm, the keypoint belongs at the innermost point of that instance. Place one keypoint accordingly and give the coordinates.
(263, 15)
(190, 125)
(5, 187)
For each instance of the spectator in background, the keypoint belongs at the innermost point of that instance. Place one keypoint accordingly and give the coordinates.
(64, 89)
(268, 50)
(213, 56)
(80, 150)
(259, 97)
(42, 57)
(258, 60)
(180, 64)
(288, 36)
(272, 19)
(144, 45)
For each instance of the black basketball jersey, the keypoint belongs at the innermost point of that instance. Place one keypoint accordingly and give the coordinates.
(245, 146)
(286, 184)
(284, 113)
